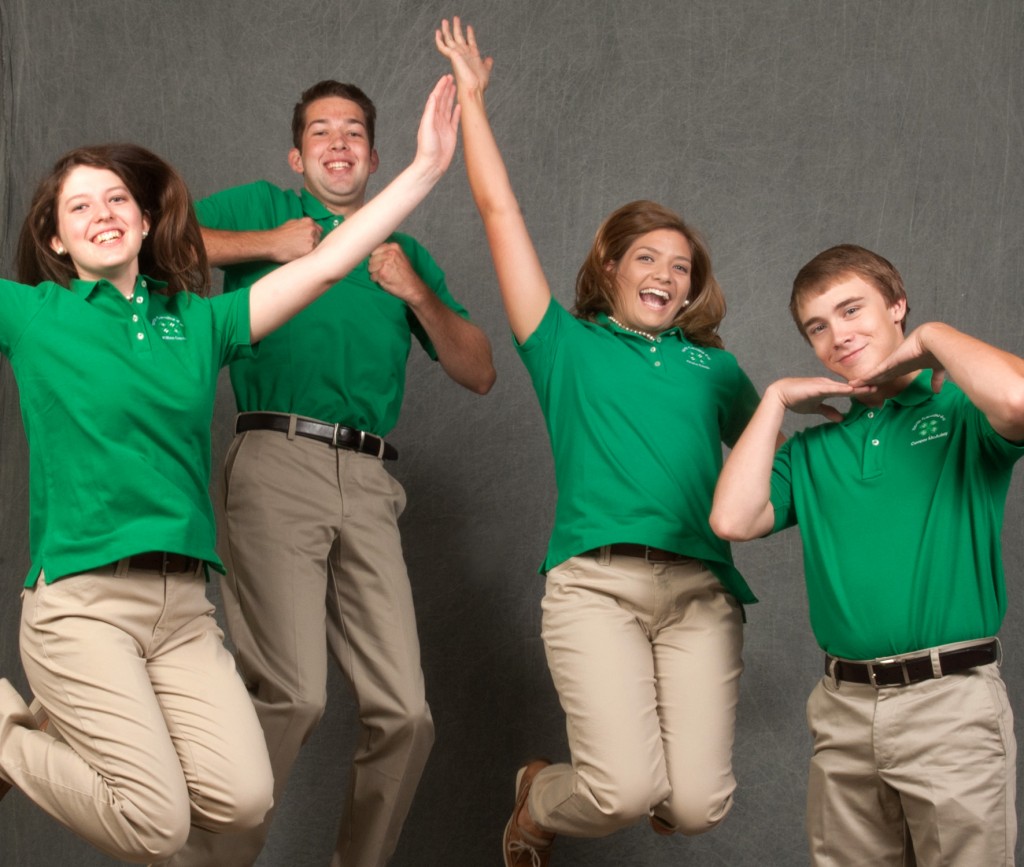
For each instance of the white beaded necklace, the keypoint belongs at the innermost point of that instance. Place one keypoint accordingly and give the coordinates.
(647, 334)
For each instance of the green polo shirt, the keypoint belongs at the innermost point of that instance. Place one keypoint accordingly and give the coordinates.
(343, 358)
(901, 510)
(636, 429)
(117, 400)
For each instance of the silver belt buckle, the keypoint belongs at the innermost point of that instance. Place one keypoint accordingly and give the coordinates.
(888, 661)
(334, 436)
(362, 445)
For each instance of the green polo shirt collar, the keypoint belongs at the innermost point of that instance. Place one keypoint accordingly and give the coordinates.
(85, 288)
(605, 320)
(313, 207)
(919, 390)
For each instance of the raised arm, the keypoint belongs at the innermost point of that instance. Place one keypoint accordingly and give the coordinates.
(524, 288)
(991, 378)
(281, 294)
(742, 507)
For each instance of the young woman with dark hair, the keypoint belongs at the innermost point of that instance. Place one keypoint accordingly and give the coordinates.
(116, 354)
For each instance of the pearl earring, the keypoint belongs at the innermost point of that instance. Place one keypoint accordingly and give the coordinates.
(686, 302)
(145, 234)
(60, 250)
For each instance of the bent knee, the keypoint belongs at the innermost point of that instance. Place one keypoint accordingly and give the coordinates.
(251, 811)
(154, 839)
(414, 729)
(421, 724)
(250, 807)
(303, 710)
(623, 803)
(692, 816)
(239, 807)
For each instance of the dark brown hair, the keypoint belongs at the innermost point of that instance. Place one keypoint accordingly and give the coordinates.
(843, 261)
(330, 87)
(595, 283)
(173, 252)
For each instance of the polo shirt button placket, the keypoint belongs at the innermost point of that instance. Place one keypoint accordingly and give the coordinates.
(873, 453)
(140, 336)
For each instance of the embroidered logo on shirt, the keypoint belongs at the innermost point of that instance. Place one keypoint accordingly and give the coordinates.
(928, 428)
(697, 357)
(169, 327)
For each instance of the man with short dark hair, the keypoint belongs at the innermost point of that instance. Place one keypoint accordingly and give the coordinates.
(900, 503)
(315, 558)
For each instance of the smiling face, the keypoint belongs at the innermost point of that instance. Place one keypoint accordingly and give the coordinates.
(652, 280)
(851, 326)
(335, 158)
(101, 226)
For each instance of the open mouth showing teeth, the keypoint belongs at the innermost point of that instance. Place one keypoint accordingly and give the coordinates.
(656, 298)
(104, 237)
(336, 166)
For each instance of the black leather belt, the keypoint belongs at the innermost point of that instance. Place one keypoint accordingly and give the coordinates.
(905, 670)
(632, 549)
(336, 435)
(163, 562)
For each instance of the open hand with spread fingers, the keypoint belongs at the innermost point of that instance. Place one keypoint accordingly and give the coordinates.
(472, 72)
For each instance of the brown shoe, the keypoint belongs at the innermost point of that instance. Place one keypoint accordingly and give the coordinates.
(660, 826)
(40, 715)
(521, 848)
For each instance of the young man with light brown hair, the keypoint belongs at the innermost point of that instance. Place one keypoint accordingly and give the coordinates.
(900, 501)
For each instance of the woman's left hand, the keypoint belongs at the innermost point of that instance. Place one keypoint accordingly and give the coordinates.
(439, 127)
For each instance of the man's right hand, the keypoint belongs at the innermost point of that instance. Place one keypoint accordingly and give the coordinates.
(293, 239)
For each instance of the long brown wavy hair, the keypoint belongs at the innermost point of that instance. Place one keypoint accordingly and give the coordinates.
(173, 252)
(595, 283)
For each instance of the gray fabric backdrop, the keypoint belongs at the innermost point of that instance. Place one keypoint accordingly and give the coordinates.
(777, 126)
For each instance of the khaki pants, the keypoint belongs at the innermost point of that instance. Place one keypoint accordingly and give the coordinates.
(316, 568)
(155, 728)
(914, 775)
(646, 661)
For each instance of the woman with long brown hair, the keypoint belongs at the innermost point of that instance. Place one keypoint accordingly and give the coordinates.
(642, 618)
(116, 352)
